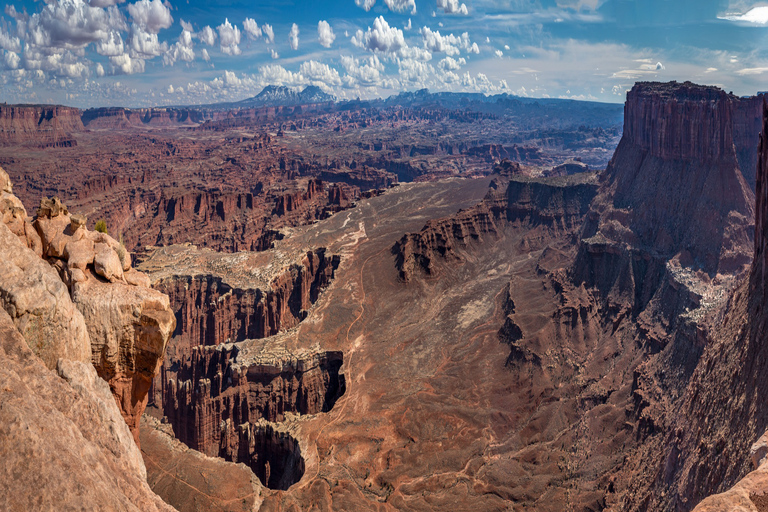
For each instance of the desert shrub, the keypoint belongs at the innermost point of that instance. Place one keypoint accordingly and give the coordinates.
(101, 226)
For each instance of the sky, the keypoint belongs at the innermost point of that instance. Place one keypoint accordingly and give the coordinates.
(90, 53)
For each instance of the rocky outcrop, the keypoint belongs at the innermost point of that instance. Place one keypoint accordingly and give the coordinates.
(230, 384)
(112, 118)
(189, 480)
(97, 308)
(63, 441)
(129, 327)
(212, 309)
(39, 304)
(43, 125)
(545, 207)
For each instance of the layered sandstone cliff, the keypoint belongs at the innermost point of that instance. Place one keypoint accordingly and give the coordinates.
(722, 413)
(211, 396)
(189, 480)
(672, 202)
(545, 207)
(219, 298)
(43, 125)
(82, 300)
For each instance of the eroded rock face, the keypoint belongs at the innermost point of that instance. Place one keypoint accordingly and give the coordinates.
(63, 441)
(129, 327)
(220, 388)
(214, 308)
(547, 207)
(189, 480)
(39, 304)
(672, 202)
(723, 411)
(89, 311)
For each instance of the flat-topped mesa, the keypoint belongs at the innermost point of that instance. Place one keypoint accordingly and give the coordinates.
(672, 201)
(679, 121)
(44, 125)
(674, 121)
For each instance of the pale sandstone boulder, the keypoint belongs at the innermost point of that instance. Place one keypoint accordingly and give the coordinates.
(63, 443)
(107, 263)
(5, 182)
(32, 293)
(129, 327)
(136, 278)
(79, 254)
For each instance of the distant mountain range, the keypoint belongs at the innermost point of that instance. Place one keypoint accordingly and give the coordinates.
(279, 96)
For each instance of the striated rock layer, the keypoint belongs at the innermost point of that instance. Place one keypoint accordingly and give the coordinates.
(707, 448)
(546, 207)
(691, 122)
(220, 388)
(86, 302)
(216, 300)
(63, 441)
(43, 125)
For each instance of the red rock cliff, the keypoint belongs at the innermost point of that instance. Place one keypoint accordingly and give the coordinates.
(210, 312)
(217, 389)
(705, 449)
(41, 124)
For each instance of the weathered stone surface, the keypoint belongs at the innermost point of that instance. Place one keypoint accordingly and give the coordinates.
(39, 304)
(77, 221)
(189, 480)
(51, 207)
(107, 263)
(5, 182)
(129, 327)
(136, 278)
(63, 442)
(217, 389)
(759, 450)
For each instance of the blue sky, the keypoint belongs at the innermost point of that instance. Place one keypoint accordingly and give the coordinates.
(162, 52)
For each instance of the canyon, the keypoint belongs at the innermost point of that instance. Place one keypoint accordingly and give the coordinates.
(316, 307)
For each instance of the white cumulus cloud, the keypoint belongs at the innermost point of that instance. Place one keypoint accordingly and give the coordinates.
(380, 38)
(207, 35)
(756, 15)
(293, 37)
(325, 33)
(401, 5)
(150, 15)
(269, 33)
(452, 7)
(320, 74)
(251, 28)
(229, 38)
(365, 4)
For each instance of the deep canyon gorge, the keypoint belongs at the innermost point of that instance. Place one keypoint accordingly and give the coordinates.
(327, 308)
